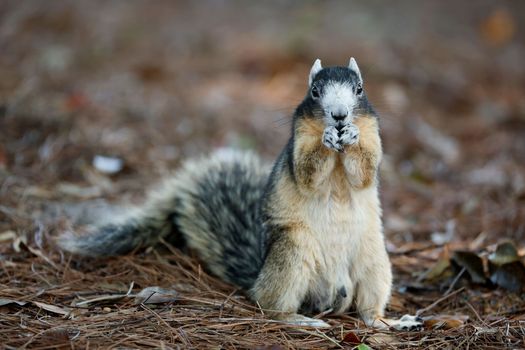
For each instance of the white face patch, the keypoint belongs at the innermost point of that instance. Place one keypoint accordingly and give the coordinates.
(338, 99)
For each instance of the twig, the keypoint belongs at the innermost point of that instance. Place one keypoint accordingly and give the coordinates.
(455, 280)
(445, 297)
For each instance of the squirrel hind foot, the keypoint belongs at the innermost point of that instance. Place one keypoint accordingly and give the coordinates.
(405, 323)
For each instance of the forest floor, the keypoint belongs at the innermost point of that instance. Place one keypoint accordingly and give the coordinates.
(150, 85)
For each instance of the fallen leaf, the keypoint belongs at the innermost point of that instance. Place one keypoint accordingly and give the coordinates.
(472, 264)
(442, 269)
(445, 321)
(155, 295)
(351, 338)
(11, 301)
(510, 276)
(505, 253)
(7, 236)
(363, 347)
(380, 339)
(52, 308)
(485, 331)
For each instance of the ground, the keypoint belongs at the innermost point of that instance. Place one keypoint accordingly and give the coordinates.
(151, 84)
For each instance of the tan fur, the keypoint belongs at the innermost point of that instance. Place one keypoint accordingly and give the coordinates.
(363, 158)
(331, 233)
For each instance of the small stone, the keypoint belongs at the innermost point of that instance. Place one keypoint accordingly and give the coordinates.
(108, 165)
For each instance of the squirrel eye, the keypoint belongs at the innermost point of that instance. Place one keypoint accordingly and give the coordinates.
(315, 92)
(359, 89)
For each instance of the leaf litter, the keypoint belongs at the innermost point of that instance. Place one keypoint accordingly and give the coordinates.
(453, 176)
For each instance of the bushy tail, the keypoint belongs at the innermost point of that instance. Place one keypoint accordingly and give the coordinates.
(211, 204)
(139, 227)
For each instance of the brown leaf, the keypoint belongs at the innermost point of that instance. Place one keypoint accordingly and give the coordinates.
(440, 271)
(445, 321)
(351, 338)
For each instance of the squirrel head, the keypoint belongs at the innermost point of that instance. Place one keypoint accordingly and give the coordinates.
(336, 93)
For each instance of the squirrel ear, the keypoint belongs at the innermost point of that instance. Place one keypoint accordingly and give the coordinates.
(315, 69)
(353, 66)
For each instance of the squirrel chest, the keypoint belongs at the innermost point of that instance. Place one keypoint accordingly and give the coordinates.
(331, 227)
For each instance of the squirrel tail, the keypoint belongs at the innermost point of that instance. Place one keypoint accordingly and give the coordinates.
(211, 205)
(120, 234)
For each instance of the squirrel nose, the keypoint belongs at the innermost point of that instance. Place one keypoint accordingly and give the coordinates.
(339, 116)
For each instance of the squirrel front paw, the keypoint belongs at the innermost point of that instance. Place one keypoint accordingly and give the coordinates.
(331, 138)
(336, 139)
(349, 135)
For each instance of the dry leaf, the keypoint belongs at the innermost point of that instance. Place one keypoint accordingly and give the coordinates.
(11, 301)
(53, 308)
(505, 253)
(506, 269)
(381, 339)
(440, 271)
(445, 321)
(351, 338)
(472, 264)
(509, 276)
(155, 295)
(7, 235)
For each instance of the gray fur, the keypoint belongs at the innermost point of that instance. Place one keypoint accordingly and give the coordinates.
(212, 203)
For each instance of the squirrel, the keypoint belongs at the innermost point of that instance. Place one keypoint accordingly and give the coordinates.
(300, 238)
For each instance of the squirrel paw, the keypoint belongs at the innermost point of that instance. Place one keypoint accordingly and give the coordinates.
(409, 323)
(406, 323)
(349, 135)
(331, 138)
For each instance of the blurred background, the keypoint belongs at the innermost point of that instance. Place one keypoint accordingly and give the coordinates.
(100, 99)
